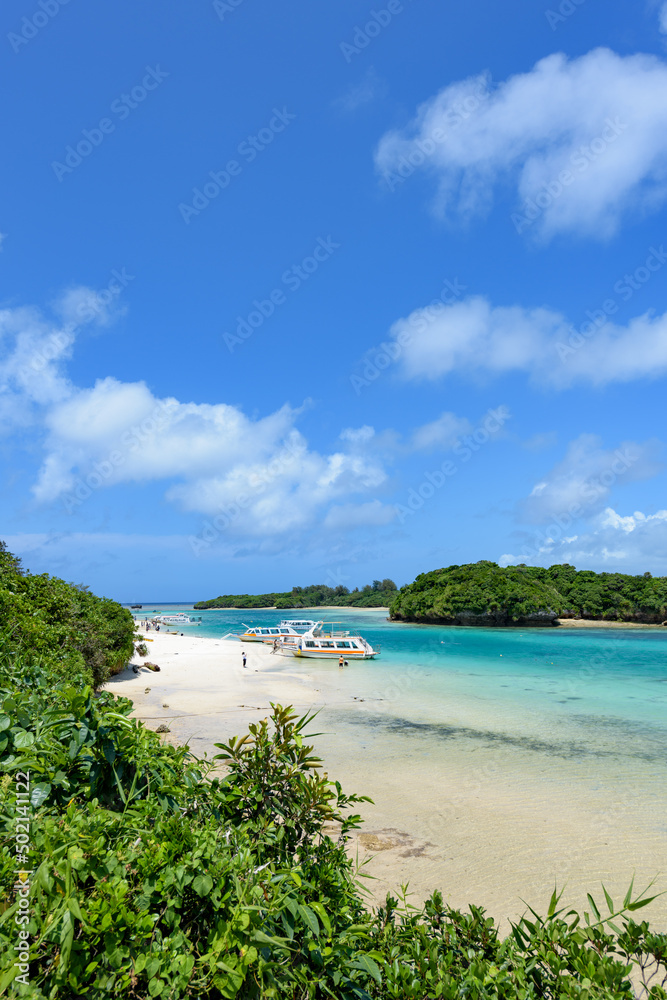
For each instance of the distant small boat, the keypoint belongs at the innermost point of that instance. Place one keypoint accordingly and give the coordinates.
(133, 606)
(177, 619)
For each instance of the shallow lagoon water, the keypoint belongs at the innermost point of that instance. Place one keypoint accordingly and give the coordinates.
(565, 692)
(501, 761)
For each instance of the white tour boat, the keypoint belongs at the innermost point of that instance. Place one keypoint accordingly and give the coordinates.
(260, 634)
(175, 619)
(322, 642)
(301, 624)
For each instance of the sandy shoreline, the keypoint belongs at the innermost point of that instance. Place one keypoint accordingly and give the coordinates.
(481, 826)
(594, 623)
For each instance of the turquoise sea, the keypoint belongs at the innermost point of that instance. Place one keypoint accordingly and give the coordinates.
(502, 760)
(560, 692)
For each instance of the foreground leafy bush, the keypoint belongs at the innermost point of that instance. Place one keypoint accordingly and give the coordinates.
(66, 624)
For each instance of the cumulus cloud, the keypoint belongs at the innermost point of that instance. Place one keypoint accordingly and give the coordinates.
(212, 458)
(581, 483)
(475, 337)
(633, 543)
(584, 141)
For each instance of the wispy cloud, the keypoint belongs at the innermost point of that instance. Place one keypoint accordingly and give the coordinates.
(580, 484)
(475, 337)
(370, 88)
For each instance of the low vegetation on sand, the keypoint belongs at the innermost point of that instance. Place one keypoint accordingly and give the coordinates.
(154, 875)
(484, 593)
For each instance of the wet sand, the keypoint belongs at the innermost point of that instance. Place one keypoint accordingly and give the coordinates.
(491, 825)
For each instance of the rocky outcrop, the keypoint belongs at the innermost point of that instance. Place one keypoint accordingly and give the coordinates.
(488, 619)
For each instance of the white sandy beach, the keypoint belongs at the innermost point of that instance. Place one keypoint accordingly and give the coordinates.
(485, 834)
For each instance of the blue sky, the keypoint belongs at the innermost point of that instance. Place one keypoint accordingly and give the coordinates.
(331, 293)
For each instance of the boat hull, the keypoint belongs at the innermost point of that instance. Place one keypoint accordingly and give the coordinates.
(315, 654)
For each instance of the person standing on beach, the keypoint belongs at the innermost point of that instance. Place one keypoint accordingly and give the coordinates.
(243, 657)
(340, 662)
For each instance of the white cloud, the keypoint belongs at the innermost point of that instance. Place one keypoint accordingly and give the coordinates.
(601, 117)
(635, 543)
(212, 458)
(443, 433)
(580, 484)
(662, 18)
(357, 435)
(474, 337)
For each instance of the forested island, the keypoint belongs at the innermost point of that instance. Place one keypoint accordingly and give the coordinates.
(484, 593)
(377, 594)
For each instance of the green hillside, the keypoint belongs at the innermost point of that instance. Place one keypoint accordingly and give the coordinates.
(484, 593)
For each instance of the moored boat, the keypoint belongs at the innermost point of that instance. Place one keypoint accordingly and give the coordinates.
(323, 642)
(175, 619)
(269, 634)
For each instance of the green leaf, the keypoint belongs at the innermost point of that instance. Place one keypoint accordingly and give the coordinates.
(66, 939)
(322, 914)
(553, 902)
(202, 885)
(9, 976)
(39, 794)
(155, 987)
(610, 902)
(637, 905)
(5, 722)
(628, 895)
(367, 964)
(23, 739)
(261, 938)
(74, 908)
(309, 918)
(593, 906)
